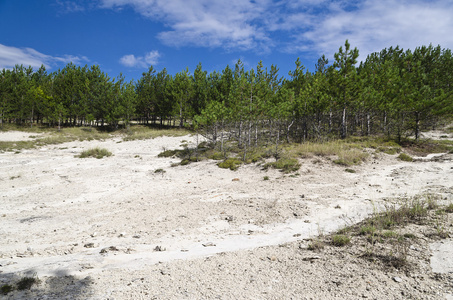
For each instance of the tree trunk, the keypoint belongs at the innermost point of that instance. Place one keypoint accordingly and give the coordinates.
(417, 125)
(343, 124)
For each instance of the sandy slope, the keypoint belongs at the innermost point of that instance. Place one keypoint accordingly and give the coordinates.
(92, 228)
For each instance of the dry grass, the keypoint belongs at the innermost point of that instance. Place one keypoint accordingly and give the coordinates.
(96, 153)
(140, 132)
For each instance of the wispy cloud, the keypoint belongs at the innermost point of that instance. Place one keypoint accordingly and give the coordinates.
(150, 58)
(205, 23)
(373, 25)
(66, 6)
(317, 26)
(11, 56)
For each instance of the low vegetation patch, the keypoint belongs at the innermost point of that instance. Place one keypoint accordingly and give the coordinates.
(405, 157)
(340, 240)
(140, 132)
(24, 283)
(230, 163)
(386, 235)
(96, 153)
(284, 164)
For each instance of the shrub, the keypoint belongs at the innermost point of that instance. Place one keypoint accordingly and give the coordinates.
(95, 152)
(367, 229)
(230, 163)
(6, 288)
(351, 157)
(26, 283)
(405, 157)
(216, 155)
(167, 153)
(285, 165)
(340, 240)
(449, 208)
(316, 245)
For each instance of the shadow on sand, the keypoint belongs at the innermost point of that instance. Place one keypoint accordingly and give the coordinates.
(27, 285)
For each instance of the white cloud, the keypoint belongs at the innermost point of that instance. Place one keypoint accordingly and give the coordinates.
(11, 56)
(150, 58)
(374, 25)
(205, 23)
(318, 26)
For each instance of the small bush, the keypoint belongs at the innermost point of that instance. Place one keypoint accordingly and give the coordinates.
(215, 155)
(6, 288)
(410, 236)
(167, 153)
(349, 170)
(449, 208)
(316, 245)
(405, 157)
(389, 234)
(266, 178)
(159, 171)
(367, 229)
(389, 150)
(285, 165)
(95, 152)
(26, 283)
(340, 240)
(351, 157)
(230, 163)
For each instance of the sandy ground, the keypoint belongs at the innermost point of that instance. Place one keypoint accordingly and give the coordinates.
(113, 228)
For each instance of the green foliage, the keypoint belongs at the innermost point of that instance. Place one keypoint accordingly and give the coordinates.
(405, 157)
(284, 164)
(230, 163)
(316, 245)
(168, 153)
(351, 157)
(449, 208)
(6, 288)
(340, 240)
(26, 283)
(367, 229)
(393, 94)
(95, 152)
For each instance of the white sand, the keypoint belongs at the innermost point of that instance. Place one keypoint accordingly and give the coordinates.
(54, 205)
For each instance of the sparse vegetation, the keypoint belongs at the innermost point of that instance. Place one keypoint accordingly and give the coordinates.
(230, 163)
(316, 245)
(6, 288)
(95, 152)
(140, 132)
(26, 283)
(405, 157)
(284, 164)
(340, 240)
(384, 233)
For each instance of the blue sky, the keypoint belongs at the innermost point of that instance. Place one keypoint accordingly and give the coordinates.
(130, 35)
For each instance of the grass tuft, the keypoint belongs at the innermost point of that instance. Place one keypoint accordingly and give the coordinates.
(340, 240)
(230, 163)
(26, 283)
(405, 157)
(95, 152)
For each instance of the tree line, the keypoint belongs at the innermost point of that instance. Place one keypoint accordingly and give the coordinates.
(393, 92)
